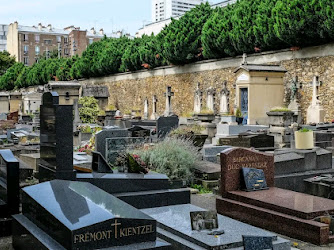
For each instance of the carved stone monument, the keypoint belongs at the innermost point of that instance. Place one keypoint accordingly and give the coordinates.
(224, 100)
(294, 105)
(146, 109)
(198, 100)
(315, 112)
(154, 115)
(168, 95)
(210, 99)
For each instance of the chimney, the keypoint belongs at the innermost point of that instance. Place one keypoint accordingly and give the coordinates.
(92, 30)
(49, 27)
(40, 26)
(101, 32)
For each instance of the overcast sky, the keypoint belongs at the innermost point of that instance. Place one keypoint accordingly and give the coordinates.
(111, 15)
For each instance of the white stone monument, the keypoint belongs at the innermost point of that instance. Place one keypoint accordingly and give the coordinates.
(315, 112)
(210, 99)
(146, 109)
(168, 95)
(154, 115)
(224, 98)
(198, 100)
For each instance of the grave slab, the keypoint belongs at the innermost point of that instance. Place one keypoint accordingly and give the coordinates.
(101, 136)
(180, 227)
(72, 214)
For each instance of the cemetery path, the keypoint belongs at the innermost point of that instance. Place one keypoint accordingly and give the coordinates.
(208, 201)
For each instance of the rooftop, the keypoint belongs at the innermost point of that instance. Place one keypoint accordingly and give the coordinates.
(259, 67)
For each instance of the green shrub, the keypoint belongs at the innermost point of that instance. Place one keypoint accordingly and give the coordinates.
(194, 129)
(181, 40)
(304, 130)
(174, 157)
(6, 61)
(90, 109)
(238, 113)
(280, 109)
(7, 80)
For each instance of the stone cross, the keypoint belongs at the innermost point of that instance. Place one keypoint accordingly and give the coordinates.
(244, 59)
(315, 85)
(146, 109)
(198, 100)
(210, 100)
(224, 99)
(154, 115)
(168, 95)
(76, 114)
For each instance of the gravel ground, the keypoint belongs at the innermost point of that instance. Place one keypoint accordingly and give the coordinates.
(208, 201)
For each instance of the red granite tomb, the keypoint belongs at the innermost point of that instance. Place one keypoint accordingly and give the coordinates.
(279, 210)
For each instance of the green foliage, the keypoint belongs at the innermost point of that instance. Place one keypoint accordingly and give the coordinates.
(174, 157)
(6, 61)
(238, 113)
(280, 109)
(90, 109)
(201, 189)
(304, 130)
(181, 40)
(297, 22)
(8, 79)
(193, 129)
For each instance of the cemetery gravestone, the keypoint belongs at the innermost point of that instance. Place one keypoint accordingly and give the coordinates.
(254, 179)
(56, 139)
(233, 159)
(70, 215)
(166, 124)
(168, 95)
(101, 136)
(9, 190)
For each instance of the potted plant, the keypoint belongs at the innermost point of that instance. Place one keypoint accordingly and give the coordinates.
(238, 117)
(206, 115)
(192, 133)
(304, 139)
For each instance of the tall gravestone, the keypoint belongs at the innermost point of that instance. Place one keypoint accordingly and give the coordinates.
(56, 139)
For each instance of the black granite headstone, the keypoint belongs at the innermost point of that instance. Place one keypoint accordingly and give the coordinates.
(138, 131)
(9, 183)
(254, 179)
(166, 124)
(56, 139)
(78, 215)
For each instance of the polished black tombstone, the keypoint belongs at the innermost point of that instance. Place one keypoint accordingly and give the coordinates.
(78, 215)
(99, 163)
(56, 139)
(9, 190)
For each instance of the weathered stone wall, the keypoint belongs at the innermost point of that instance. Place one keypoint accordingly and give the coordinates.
(128, 91)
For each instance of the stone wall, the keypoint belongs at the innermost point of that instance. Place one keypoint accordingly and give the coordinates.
(129, 90)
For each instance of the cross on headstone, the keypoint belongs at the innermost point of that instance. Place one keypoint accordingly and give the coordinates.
(154, 115)
(244, 59)
(146, 108)
(168, 95)
(315, 84)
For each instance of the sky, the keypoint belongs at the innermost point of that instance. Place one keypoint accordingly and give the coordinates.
(111, 15)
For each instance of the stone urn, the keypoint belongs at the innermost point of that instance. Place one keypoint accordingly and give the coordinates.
(304, 140)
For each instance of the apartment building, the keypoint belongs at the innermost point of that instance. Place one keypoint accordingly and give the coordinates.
(164, 9)
(3, 34)
(29, 43)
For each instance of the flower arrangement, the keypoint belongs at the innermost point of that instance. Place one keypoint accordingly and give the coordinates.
(132, 163)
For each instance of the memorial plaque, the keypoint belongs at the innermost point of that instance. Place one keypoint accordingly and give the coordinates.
(203, 220)
(254, 179)
(79, 215)
(234, 159)
(114, 146)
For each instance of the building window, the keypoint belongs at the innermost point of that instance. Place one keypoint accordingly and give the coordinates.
(37, 50)
(48, 41)
(37, 38)
(66, 52)
(91, 40)
(25, 37)
(36, 59)
(25, 49)
(65, 39)
(25, 60)
(58, 39)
